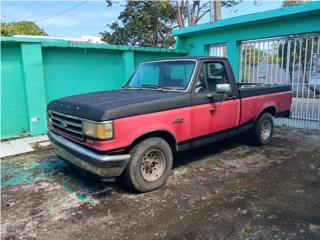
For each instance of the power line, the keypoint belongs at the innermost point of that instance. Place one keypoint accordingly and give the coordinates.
(62, 12)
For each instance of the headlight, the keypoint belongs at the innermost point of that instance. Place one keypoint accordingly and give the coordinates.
(101, 131)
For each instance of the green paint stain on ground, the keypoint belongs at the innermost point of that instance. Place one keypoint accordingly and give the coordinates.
(32, 165)
(18, 173)
(81, 196)
(18, 179)
(67, 187)
(51, 170)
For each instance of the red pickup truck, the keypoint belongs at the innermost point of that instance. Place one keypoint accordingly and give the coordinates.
(166, 106)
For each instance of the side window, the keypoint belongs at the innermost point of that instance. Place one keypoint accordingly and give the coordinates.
(211, 74)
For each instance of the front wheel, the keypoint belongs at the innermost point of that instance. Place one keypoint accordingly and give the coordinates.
(150, 165)
(262, 130)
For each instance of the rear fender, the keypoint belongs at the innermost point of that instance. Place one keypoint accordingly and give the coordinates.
(267, 107)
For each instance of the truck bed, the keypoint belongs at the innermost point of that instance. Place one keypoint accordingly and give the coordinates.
(255, 89)
(255, 97)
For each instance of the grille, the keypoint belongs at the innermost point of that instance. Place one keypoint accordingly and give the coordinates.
(68, 125)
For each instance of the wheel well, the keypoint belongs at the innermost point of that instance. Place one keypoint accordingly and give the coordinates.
(168, 137)
(272, 110)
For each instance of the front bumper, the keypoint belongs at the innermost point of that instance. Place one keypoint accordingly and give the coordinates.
(103, 166)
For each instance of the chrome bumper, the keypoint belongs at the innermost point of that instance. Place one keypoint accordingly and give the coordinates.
(101, 165)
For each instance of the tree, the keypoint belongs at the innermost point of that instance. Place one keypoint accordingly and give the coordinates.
(21, 28)
(143, 23)
(189, 13)
(149, 23)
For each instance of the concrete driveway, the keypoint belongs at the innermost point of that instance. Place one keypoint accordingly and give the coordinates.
(229, 190)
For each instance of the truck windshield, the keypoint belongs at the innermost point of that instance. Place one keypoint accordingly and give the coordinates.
(168, 75)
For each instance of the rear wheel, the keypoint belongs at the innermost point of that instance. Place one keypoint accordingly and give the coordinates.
(262, 130)
(150, 165)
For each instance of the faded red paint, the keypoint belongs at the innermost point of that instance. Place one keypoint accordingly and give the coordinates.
(197, 120)
(214, 117)
(252, 107)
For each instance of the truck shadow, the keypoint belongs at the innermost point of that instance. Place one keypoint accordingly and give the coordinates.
(74, 181)
(210, 150)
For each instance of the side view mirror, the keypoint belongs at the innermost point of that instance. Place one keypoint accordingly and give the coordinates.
(216, 97)
(223, 88)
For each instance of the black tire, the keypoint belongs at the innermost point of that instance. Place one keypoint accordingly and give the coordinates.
(141, 154)
(258, 135)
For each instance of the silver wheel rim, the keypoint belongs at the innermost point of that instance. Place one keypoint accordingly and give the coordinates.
(152, 165)
(265, 131)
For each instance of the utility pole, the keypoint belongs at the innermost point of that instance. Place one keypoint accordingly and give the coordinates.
(215, 10)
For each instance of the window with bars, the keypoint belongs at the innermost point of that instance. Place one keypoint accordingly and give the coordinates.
(218, 50)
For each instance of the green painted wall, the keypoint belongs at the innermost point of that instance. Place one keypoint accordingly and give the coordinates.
(36, 71)
(280, 22)
(69, 71)
(142, 57)
(14, 113)
(34, 86)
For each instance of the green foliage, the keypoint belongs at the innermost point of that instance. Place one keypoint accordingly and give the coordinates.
(251, 54)
(21, 28)
(149, 23)
(143, 23)
(248, 233)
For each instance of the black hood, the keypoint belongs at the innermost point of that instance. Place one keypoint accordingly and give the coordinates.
(108, 105)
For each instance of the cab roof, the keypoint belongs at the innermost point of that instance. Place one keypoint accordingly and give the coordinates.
(189, 58)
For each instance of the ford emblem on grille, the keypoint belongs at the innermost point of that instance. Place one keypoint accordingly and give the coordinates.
(63, 124)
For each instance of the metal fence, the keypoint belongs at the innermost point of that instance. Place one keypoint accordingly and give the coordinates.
(291, 60)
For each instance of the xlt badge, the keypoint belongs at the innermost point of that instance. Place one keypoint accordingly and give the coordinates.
(178, 120)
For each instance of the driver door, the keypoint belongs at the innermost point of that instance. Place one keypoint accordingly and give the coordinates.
(213, 112)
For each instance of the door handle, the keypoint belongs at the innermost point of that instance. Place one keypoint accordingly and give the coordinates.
(231, 97)
(213, 109)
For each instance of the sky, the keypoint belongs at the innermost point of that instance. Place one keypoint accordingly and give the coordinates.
(88, 18)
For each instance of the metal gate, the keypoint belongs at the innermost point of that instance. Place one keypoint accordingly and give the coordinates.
(291, 60)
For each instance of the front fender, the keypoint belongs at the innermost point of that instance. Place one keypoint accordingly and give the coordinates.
(127, 130)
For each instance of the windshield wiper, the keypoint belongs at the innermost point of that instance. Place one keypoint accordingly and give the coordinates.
(154, 86)
(150, 86)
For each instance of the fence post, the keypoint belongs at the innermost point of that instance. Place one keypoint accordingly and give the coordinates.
(128, 58)
(34, 86)
(287, 80)
(233, 54)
